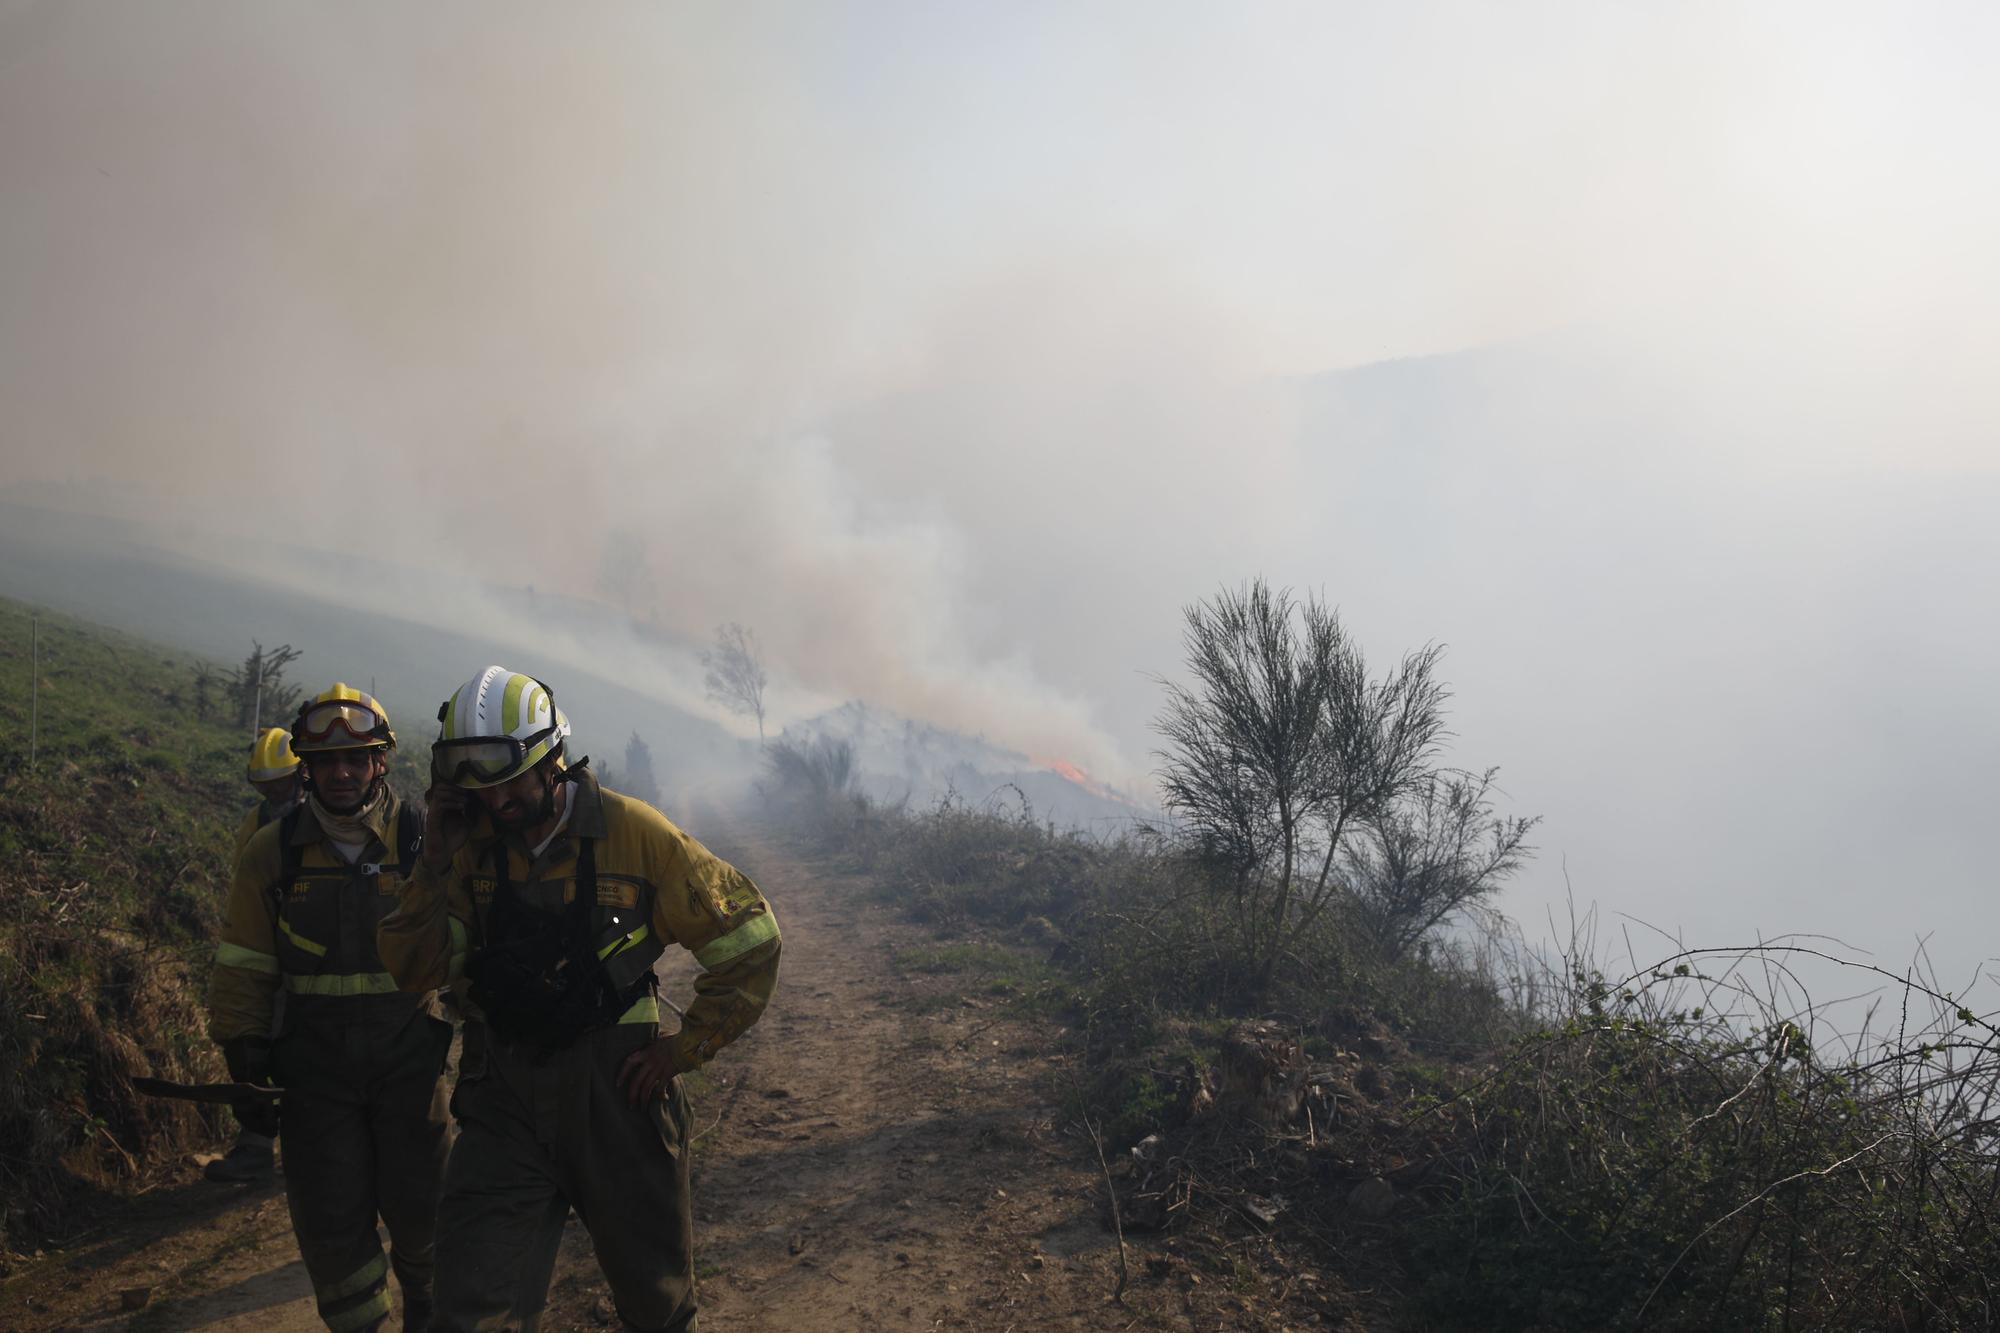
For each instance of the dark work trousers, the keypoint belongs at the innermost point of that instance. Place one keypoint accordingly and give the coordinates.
(540, 1134)
(366, 1133)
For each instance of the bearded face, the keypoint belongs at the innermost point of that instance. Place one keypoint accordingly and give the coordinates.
(521, 802)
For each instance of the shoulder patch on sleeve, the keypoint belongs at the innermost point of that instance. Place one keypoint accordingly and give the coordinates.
(704, 901)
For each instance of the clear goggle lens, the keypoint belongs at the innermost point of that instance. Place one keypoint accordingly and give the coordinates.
(483, 760)
(322, 720)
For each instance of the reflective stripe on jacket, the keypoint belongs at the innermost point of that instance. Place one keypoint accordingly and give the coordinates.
(314, 938)
(656, 886)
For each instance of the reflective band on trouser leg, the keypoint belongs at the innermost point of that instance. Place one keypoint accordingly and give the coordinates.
(370, 1281)
(759, 929)
(235, 955)
(341, 983)
(458, 950)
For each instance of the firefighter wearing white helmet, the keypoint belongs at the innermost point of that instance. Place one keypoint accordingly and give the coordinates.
(364, 1112)
(546, 899)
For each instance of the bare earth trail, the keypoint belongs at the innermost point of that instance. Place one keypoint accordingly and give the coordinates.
(866, 1166)
(877, 1153)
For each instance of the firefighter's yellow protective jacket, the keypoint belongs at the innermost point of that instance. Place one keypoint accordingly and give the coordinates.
(655, 886)
(320, 947)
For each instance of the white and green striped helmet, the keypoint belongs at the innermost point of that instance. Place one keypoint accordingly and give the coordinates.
(497, 726)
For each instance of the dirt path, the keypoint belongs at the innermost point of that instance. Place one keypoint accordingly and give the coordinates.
(204, 1256)
(878, 1153)
(872, 1158)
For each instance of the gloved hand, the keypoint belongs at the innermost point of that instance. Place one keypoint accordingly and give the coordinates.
(249, 1060)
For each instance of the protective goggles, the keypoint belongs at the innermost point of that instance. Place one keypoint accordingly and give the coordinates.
(324, 722)
(484, 760)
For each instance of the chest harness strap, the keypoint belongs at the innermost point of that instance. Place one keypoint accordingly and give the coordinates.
(536, 976)
(409, 846)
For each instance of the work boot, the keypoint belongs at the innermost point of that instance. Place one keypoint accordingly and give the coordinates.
(417, 1312)
(251, 1159)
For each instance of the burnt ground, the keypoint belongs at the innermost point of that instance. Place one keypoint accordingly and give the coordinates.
(885, 1150)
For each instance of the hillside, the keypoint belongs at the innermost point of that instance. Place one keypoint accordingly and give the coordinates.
(360, 619)
(888, 1149)
(113, 866)
(995, 1040)
(134, 575)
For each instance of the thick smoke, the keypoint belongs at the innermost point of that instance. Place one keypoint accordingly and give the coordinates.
(954, 351)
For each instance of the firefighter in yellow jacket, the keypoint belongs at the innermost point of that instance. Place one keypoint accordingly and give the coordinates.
(273, 771)
(274, 774)
(364, 1116)
(553, 898)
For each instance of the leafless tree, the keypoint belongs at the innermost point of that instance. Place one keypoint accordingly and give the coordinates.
(1431, 856)
(1282, 748)
(258, 686)
(735, 676)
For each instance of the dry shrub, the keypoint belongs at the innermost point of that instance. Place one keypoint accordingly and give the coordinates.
(813, 784)
(88, 1008)
(1686, 1150)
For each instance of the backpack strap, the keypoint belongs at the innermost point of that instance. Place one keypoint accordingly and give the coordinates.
(576, 916)
(291, 857)
(586, 875)
(294, 854)
(409, 836)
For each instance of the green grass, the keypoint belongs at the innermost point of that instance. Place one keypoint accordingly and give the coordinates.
(114, 863)
(1000, 968)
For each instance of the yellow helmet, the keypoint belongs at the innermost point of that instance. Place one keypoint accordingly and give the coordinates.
(341, 718)
(271, 757)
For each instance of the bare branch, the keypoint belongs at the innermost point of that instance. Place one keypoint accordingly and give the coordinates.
(735, 673)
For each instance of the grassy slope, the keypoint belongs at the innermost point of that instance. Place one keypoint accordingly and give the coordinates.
(113, 867)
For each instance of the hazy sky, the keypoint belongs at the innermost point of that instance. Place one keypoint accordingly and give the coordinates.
(956, 347)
